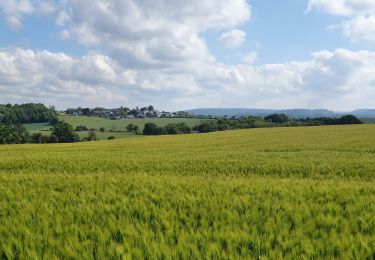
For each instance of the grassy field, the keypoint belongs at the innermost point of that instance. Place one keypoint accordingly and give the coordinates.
(105, 135)
(120, 125)
(304, 192)
(115, 128)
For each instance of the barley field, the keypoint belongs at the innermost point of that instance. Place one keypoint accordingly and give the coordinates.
(303, 192)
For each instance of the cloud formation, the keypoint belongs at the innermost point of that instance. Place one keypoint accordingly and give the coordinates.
(329, 79)
(153, 52)
(360, 16)
(233, 39)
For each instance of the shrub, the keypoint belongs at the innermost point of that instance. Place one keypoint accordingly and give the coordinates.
(277, 118)
(92, 136)
(64, 132)
(38, 138)
(349, 120)
(81, 128)
(172, 129)
(14, 134)
(184, 128)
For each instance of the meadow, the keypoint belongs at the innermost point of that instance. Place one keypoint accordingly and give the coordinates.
(116, 128)
(302, 192)
(120, 125)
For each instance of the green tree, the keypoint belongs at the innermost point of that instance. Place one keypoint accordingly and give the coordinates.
(349, 120)
(172, 129)
(92, 136)
(130, 128)
(38, 138)
(184, 128)
(26, 113)
(277, 118)
(153, 129)
(64, 132)
(14, 134)
(81, 128)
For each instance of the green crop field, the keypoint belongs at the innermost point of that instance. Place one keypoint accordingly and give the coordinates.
(303, 192)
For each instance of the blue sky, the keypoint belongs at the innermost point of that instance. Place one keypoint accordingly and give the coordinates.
(254, 54)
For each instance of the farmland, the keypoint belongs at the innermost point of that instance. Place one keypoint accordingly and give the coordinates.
(114, 128)
(120, 125)
(276, 192)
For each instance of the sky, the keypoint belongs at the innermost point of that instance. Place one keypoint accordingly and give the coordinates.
(180, 55)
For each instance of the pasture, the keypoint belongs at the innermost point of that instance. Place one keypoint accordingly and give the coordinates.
(303, 192)
(120, 125)
(116, 128)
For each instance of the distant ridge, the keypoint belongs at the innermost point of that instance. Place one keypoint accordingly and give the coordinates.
(295, 113)
(364, 113)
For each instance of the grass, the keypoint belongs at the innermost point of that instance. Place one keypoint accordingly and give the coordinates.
(120, 125)
(306, 192)
(36, 127)
(105, 135)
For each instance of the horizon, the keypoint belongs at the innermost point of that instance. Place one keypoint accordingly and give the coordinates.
(195, 54)
(195, 108)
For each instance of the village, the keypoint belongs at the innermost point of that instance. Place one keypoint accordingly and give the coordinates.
(124, 113)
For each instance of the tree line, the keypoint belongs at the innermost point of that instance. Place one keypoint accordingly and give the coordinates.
(170, 129)
(273, 120)
(222, 124)
(61, 132)
(26, 113)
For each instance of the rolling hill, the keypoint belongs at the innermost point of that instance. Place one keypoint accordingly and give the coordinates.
(295, 113)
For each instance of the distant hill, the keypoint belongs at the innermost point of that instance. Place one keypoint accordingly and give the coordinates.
(295, 113)
(364, 113)
(230, 111)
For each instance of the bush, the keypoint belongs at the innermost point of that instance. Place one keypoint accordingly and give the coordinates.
(111, 137)
(92, 136)
(81, 128)
(180, 128)
(153, 129)
(184, 128)
(64, 132)
(206, 127)
(172, 129)
(38, 138)
(14, 134)
(277, 118)
(131, 128)
(349, 120)
(52, 139)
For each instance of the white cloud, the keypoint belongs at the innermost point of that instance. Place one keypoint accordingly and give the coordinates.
(343, 7)
(250, 58)
(153, 52)
(360, 27)
(328, 79)
(233, 39)
(13, 22)
(360, 22)
(166, 31)
(13, 9)
(16, 6)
